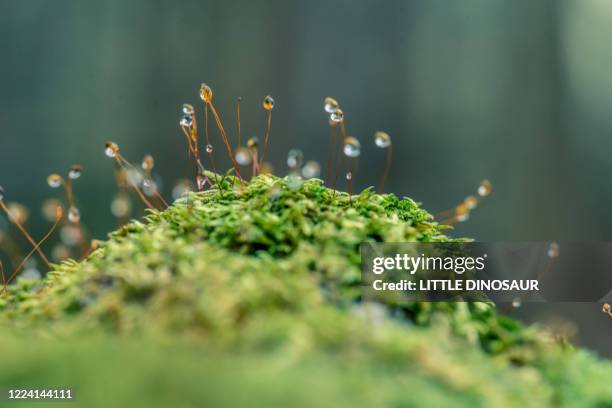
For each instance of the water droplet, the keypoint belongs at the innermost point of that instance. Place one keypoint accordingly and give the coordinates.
(206, 93)
(294, 181)
(186, 121)
(209, 148)
(516, 302)
(188, 109)
(470, 202)
(462, 213)
(295, 158)
(70, 235)
(74, 215)
(75, 171)
(49, 208)
(332, 123)
(18, 212)
(337, 115)
(148, 163)
(242, 155)
(54, 180)
(311, 169)
(150, 187)
(268, 103)
(382, 139)
(553, 250)
(60, 253)
(121, 206)
(330, 105)
(134, 176)
(181, 187)
(606, 308)
(253, 143)
(111, 149)
(484, 189)
(352, 147)
(1, 193)
(349, 175)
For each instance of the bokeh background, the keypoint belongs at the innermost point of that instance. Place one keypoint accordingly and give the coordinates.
(518, 92)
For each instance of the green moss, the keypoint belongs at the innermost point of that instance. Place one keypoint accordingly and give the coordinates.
(270, 270)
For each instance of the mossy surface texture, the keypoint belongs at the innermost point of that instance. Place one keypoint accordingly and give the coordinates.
(248, 295)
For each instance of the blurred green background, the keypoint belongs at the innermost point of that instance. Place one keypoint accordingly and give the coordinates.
(514, 91)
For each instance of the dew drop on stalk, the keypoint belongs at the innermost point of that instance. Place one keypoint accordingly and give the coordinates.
(209, 148)
(148, 163)
(268, 103)
(485, 188)
(337, 115)
(121, 206)
(330, 105)
(188, 109)
(1, 193)
(74, 215)
(242, 156)
(206, 93)
(54, 180)
(311, 169)
(606, 308)
(186, 121)
(111, 149)
(352, 147)
(150, 187)
(516, 302)
(75, 171)
(382, 139)
(349, 175)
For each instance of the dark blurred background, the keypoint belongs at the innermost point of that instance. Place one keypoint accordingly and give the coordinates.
(516, 91)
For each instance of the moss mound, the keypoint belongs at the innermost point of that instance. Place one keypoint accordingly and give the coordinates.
(253, 290)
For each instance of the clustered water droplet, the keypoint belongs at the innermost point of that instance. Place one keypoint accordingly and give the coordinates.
(382, 139)
(268, 103)
(352, 147)
(75, 171)
(295, 158)
(311, 169)
(54, 180)
(111, 149)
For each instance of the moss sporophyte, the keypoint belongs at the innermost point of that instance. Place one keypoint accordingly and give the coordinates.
(258, 273)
